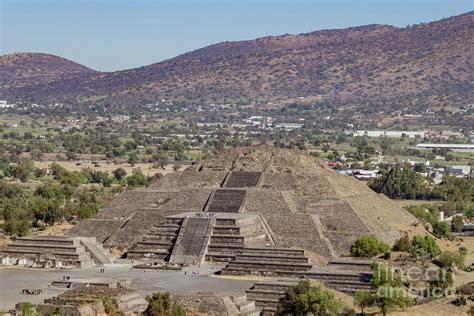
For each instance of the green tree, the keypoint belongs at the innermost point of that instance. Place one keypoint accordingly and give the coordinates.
(17, 227)
(119, 174)
(70, 155)
(363, 299)
(304, 299)
(132, 158)
(137, 180)
(400, 183)
(368, 246)
(49, 190)
(390, 291)
(161, 158)
(458, 223)
(23, 170)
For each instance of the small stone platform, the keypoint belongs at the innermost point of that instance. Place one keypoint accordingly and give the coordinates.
(55, 252)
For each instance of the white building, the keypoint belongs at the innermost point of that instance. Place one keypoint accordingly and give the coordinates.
(447, 146)
(408, 134)
(289, 126)
(459, 171)
(5, 104)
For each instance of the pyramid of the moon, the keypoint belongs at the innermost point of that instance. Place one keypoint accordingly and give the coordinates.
(266, 195)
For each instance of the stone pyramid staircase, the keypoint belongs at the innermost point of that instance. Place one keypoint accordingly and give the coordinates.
(267, 294)
(344, 274)
(230, 235)
(96, 250)
(269, 261)
(245, 306)
(159, 241)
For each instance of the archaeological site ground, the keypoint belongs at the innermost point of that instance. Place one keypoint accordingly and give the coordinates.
(256, 213)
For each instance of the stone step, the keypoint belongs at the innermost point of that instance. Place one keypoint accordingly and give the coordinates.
(219, 257)
(225, 222)
(165, 233)
(354, 283)
(153, 245)
(164, 229)
(339, 275)
(274, 250)
(238, 298)
(160, 236)
(254, 312)
(265, 294)
(267, 303)
(167, 225)
(174, 221)
(261, 271)
(227, 238)
(271, 257)
(23, 253)
(225, 246)
(245, 306)
(250, 263)
(46, 248)
(348, 288)
(50, 240)
(95, 250)
(225, 230)
(147, 254)
(274, 286)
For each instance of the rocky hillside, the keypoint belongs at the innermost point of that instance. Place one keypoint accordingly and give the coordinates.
(29, 69)
(369, 63)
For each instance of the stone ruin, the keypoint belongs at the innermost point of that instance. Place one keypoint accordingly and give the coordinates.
(262, 210)
(85, 301)
(296, 201)
(55, 252)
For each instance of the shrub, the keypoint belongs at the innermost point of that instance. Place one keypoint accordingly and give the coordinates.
(442, 281)
(160, 304)
(424, 215)
(368, 246)
(450, 259)
(119, 174)
(458, 223)
(459, 301)
(466, 289)
(403, 244)
(109, 307)
(442, 229)
(16, 227)
(425, 246)
(137, 180)
(304, 299)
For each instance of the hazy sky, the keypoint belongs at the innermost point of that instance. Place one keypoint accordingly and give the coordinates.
(118, 34)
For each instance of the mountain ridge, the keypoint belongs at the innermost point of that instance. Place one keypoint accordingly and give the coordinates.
(373, 62)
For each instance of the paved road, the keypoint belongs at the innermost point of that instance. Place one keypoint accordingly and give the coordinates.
(12, 281)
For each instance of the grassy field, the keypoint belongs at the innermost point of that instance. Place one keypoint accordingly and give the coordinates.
(146, 168)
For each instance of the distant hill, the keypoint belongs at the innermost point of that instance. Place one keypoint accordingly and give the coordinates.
(29, 69)
(368, 63)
